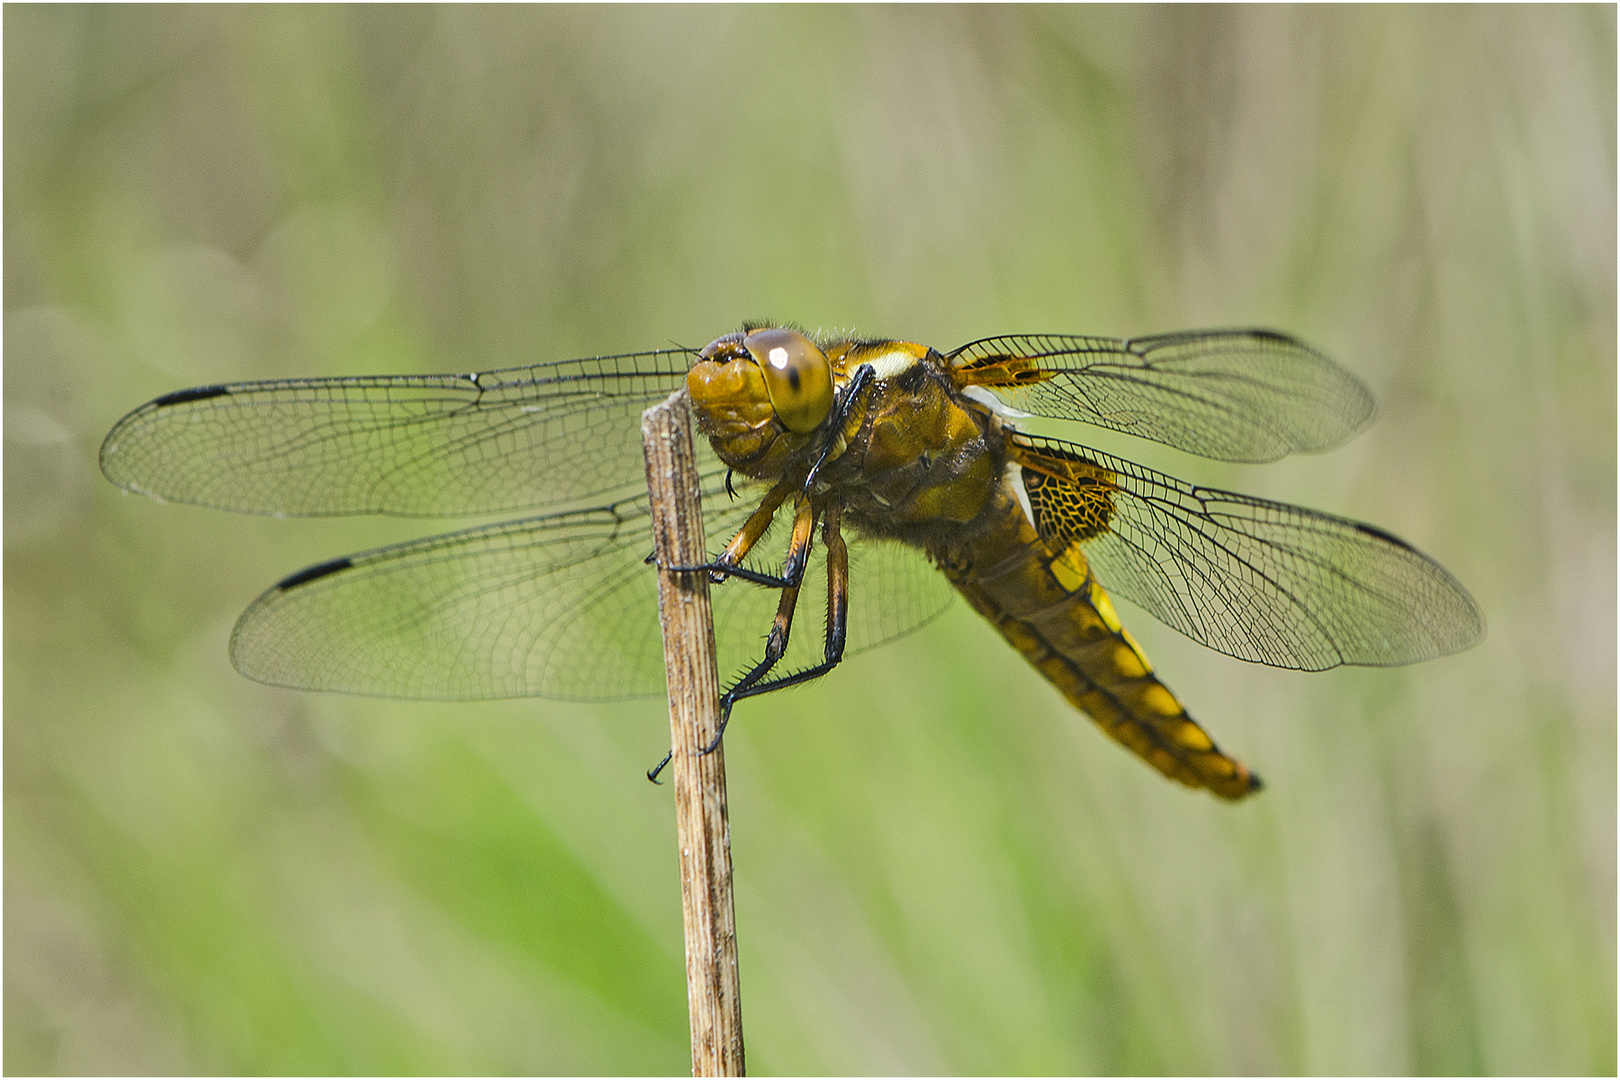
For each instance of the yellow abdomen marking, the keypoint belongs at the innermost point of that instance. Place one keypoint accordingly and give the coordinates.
(1061, 619)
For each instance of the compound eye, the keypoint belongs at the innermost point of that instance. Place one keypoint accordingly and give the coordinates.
(797, 377)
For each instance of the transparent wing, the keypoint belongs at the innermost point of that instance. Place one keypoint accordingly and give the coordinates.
(433, 445)
(1261, 580)
(560, 606)
(1234, 395)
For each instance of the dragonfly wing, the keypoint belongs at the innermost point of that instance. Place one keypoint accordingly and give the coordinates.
(1234, 395)
(557, 606)
(433, 445)
(561, 605)
(1255, 579)
(893, 590)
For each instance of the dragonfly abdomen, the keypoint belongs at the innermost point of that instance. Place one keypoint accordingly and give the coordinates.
(1053, 611)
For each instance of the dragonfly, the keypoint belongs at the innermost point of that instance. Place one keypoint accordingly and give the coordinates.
(893, 476)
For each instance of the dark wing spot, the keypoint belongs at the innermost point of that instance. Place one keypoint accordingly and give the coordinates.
(196, 393)
(311, 573)
(1380, 534)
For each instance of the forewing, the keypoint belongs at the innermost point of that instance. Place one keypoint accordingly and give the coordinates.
(433, 445)
(1234, 395)
(1262, 580)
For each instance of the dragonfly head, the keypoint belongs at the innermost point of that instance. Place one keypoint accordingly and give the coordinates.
(759, 391)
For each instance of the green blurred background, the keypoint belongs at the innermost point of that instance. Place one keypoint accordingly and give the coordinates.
(940, 867)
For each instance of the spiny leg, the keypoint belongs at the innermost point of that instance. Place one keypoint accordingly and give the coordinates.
(793, 573)
(776, 642)
(859, 384)
(837, 629)
(728, 565)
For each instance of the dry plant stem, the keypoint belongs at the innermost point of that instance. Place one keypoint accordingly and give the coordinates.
(694, 716)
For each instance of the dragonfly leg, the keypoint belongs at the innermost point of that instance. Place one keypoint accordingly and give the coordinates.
(652, 773)
(837, 630)
(859, 384)
(728, 565)
(776, 642)
(729, 562)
